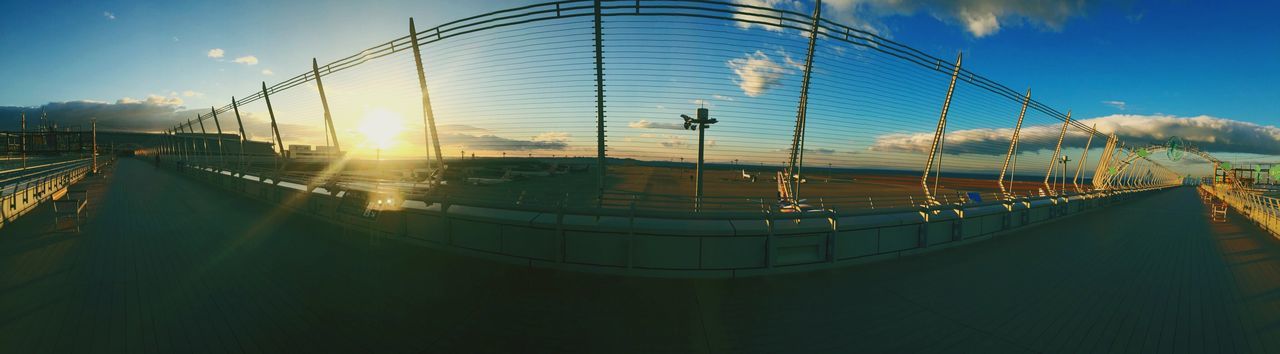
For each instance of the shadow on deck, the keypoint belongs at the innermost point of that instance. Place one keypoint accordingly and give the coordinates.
(153, 272)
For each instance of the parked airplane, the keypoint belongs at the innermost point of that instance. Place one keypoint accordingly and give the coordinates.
(481, 181)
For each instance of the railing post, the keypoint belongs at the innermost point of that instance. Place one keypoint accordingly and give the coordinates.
(1104, 163)
(191, 140)
(796, 161)
(433, 140)
(183, 144)
(1083, 156)
(236, 106)
(1056, 151)
(1013, 146)
(204, 139)
(22, 141)
(275, 130)
(1122, 175)
(222, 159)
(599, 51)
(94, 123)
(939, 135)
(177, 147)
(324, 102)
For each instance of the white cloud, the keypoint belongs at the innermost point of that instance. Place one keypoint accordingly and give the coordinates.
(980, 23)
(757, 73)
(216, 53)
(1211, 134)
(189, 93)
(109, 15)
(645, 124)
(749, 14)
(247, 60)
(268, 72)
(154, 100)
(673, 141)
(979, 18)
(552, 137)
(1120, 105)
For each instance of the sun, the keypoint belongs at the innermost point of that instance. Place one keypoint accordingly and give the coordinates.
(380, 128)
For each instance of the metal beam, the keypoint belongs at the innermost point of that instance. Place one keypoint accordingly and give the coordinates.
(324, 102)
(222, 159)
(599, 47)
(1104, 163)
(796, 161)
(1013, 144)
(433, 140)
(1056, 151)
(204, 139)
(939, 134)
(275, 130)
(191, 140)
(93, 122)
(1083, 156)
(236, 106)
(22, 141)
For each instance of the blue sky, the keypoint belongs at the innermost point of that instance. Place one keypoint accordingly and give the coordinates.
(1163, 67)
(1184, 58)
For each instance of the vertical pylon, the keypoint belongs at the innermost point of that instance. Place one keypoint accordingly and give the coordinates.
(599, 47)
(939, 134)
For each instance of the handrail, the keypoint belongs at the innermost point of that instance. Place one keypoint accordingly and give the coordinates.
(824, 28)
(1263, 210)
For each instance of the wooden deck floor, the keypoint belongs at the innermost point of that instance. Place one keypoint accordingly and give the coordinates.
(165, 264)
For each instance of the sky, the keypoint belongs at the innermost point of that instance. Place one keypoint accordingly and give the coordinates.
(1148, 70)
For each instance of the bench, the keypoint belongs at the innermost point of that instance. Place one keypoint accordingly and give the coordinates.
(71, 206)
(1218, 210)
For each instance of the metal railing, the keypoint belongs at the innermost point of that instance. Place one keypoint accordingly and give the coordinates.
(20, 192)
(1262, 210)
(868, 122)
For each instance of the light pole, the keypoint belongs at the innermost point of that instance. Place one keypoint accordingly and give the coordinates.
(700, 124)
(1063, 184)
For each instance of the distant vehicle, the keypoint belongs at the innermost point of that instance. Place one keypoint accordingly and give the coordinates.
(797, 207)
(559, 169)
(748, 176)
(529, 173)
(794, 177)
(787, 202)
(482, 181)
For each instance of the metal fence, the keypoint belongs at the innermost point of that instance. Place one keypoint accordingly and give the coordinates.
(580, 102)
(1261, 209)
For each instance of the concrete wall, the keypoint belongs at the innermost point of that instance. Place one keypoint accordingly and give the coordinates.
(715, 245)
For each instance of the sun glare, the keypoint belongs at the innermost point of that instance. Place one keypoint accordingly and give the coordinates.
(380, 128)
